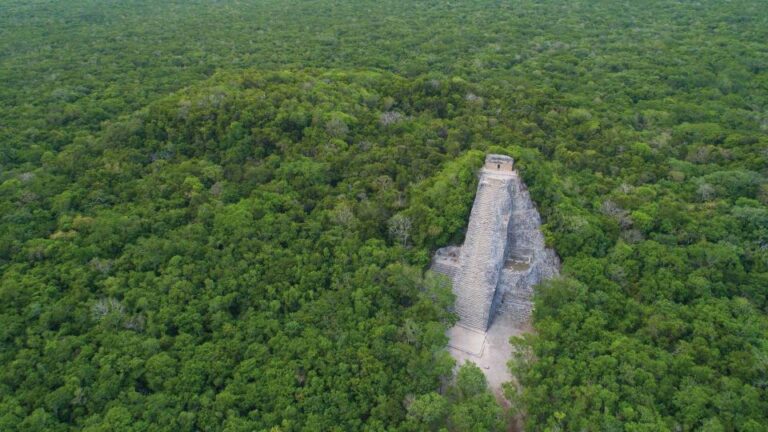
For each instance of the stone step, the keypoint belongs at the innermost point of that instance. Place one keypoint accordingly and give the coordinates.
(474, 290)
(502, 212)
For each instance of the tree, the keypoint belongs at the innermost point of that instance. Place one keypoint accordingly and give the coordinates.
(400, 228)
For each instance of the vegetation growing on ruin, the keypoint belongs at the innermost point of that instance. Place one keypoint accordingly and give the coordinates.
(216, 216)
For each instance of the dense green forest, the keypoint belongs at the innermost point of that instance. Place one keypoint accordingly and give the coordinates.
(216, 215)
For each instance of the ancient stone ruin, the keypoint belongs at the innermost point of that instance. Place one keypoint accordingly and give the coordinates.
(503, 255)
(494, 272)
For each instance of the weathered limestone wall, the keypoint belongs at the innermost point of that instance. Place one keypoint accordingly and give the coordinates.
(484, 251)
(526, 246)
(446, 261)
(503, 255)
(445, 268)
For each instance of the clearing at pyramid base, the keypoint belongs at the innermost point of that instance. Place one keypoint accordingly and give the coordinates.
(493, 273)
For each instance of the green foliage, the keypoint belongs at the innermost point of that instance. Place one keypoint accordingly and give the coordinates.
(215, 215)
(440, 206)
(467, 407)
(475, 409)
(429, 410)
(185, 285)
